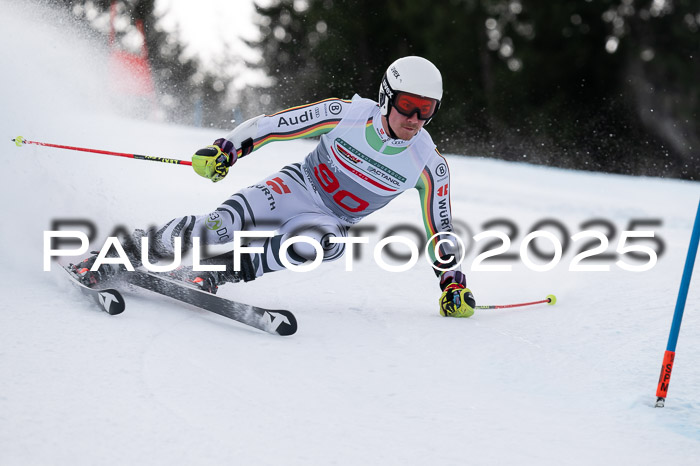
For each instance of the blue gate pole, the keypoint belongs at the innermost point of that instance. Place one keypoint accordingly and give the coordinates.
(670, 354)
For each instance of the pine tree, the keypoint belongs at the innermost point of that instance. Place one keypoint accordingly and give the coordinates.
(186, 91)
(568, 83)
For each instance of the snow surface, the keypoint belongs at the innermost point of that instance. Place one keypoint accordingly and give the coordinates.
(374, 374)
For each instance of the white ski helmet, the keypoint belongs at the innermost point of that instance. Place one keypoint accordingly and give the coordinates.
(415, 76)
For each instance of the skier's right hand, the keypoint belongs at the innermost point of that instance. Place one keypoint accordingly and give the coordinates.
(214, 161)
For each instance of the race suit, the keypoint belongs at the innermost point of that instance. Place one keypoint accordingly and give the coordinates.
(356, 169)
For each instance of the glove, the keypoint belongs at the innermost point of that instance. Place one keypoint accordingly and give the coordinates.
(214, 161)
(456, 300)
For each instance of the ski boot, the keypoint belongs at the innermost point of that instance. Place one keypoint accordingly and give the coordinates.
(204, 280)
(92, 278)
(209, 281)
(106, 272)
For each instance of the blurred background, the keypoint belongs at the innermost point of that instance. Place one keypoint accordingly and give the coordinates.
(602, 85)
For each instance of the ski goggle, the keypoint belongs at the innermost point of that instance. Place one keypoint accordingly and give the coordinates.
(407, 104)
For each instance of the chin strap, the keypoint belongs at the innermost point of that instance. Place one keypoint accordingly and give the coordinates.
(388, 125)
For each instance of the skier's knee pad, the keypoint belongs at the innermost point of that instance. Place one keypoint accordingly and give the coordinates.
(322, 234)
(331, 251)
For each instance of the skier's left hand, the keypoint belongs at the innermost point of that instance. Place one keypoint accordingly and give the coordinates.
(456, 300)
(214, 161)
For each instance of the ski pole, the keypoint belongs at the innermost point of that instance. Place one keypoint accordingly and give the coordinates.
(670, 353)
(550, 299)
(19, 140)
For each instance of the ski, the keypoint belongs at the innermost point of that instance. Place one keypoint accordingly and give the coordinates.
(108, 299)
(276, 322)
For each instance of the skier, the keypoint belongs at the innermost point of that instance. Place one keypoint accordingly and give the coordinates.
(368, 154)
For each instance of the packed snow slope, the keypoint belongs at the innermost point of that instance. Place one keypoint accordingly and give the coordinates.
(374, 374)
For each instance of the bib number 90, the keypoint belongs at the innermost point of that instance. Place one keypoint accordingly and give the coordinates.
(331, 185)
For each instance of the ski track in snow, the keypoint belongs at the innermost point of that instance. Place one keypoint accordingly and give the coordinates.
(374, 374)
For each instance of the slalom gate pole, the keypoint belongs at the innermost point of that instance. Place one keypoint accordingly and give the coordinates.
(19, 140)
(550, 299)
(670, 354)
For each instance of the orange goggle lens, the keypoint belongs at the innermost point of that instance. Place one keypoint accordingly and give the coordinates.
(408, 104)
